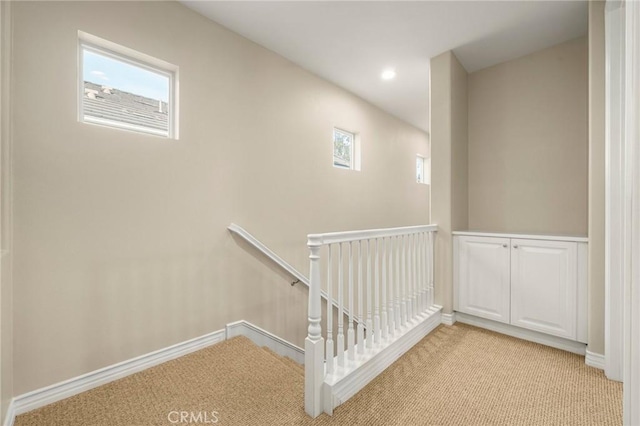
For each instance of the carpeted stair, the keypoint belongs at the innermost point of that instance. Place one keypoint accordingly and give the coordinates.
(299, 369)
(243, 383)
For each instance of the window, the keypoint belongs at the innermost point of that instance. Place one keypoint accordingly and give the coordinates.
(345, 150)
(122, 88)
(423, 169)
(420, 169)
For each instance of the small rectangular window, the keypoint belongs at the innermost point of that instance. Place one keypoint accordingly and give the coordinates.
(423, 169)
(343, 143)
(346, 149)
(126, 89)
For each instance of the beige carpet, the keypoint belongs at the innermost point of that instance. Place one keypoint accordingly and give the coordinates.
(458, 375)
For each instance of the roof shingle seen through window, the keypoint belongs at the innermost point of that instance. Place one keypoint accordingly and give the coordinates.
(105, 103)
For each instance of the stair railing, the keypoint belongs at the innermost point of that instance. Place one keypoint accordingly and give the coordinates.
(299, 276)
(389, 276)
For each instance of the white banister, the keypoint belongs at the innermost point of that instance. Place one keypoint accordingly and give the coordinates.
(427, 268)
(314, 344)
(342, 237)
(350, 331)
(421, 302)
(397, 285)
(390, 301)
(404, 281)
(394, 286)
(426, 271)
(340, 309)
(429, 265)
(376, 294)
(360, 331)
(300, 277)
(369, 299)
(383, 315)
(238, 230)
(432, 250)
(329, 354)
(416, 276)
(410, 278)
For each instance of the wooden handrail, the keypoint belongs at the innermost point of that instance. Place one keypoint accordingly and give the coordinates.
(240, 231)
(237, 229)
(347, 236)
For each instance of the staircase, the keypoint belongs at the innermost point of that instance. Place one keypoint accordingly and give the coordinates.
(384, 289)
(297, 368)
(237, 381)
(458, 375)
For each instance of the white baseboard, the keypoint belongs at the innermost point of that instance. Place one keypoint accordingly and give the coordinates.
(263, 338)
(10, 417)
(449, 319)
(338, 390)
(56, 392)
(594, 360)
(40, 397)
(523, 333)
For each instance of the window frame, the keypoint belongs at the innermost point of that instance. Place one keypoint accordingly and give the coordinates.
(97, 45)
(426, 164)
(355, 148)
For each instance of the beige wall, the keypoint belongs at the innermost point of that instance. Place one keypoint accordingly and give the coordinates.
(528, 143)
(535, 159)
(448, 124)
(459, 146)
(596, 176)
(121, 245)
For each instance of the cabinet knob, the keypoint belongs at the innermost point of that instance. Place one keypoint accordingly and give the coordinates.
(504, 245)
(515, 246)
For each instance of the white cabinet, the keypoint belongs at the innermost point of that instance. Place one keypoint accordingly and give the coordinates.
(483, 277)
(534, 283)
(544, 286)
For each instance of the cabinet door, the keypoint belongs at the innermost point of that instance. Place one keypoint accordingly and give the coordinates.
(481, 277)
(544, 286)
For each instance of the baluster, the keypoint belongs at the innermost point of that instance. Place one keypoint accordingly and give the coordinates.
(416, 268)
(340, 309)
(351, 332)
(329, 354)
(423, 273)
(409, 278)
(369, 298)
(360, 330)
(427, 268)
(426, 271)
(376, 292)
(420, 275)
(404, 281)
(390, 301)
(415, 275)
(384, 319)
(432, 251)
(398, 285)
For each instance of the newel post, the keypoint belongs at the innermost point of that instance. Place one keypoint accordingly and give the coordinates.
(314, 343)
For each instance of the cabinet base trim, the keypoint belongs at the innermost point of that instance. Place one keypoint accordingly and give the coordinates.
(524, 334)
(594, 360)
(449, 319)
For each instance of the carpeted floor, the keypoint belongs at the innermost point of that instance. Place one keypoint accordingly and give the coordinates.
(459, 375)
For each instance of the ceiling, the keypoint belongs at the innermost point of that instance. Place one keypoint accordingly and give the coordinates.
(350, 43)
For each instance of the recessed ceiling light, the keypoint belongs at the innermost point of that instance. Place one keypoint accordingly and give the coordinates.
(388, 74)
